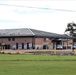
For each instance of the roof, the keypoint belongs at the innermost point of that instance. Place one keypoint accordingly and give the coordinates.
(15, 32)
(29, 32)
(48, 34)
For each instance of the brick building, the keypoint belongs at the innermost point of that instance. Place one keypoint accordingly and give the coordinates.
(26, 38)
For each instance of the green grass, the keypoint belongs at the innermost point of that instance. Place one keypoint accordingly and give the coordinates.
(11, 64)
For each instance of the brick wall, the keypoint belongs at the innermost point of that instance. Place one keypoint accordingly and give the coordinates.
(17, 40)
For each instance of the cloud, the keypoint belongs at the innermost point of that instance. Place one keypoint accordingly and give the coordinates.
(33, 11)
(7, 21)
(52, 21)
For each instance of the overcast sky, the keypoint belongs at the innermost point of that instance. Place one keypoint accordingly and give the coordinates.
(41, 19)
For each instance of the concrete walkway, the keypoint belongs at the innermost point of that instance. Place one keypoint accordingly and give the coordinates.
(38, 51)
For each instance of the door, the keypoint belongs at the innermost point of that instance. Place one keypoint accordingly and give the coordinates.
(22, 45)
(16, 45)
(27, 45)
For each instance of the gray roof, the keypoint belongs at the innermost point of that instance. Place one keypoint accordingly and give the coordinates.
(49, 34)
(29, 32)
(15, 32)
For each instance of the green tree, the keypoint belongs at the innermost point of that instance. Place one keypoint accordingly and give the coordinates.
(71, 29)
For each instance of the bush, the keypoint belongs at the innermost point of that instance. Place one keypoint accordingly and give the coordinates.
(2, 52)
(9, 53)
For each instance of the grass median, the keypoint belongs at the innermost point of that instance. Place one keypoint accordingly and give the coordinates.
(15, 64)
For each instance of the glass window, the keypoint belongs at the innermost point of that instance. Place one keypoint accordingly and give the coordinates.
(13, 39)
(9, 39)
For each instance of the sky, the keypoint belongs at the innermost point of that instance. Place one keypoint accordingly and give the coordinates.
(15, 16)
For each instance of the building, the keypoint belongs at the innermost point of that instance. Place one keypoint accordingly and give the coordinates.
(26, 38)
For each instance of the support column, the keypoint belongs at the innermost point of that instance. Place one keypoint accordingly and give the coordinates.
(55, 48)
(67, 44)
(63, 44)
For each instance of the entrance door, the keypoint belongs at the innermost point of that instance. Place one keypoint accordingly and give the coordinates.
(16, 45)
(22, 45)
(44, 46)
(27, 45)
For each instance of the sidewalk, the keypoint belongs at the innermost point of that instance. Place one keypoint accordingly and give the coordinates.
(38, 51)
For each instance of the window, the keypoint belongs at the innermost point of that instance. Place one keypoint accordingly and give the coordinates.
(9, 39)
(13, 39)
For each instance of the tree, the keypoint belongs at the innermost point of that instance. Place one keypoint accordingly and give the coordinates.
(71, 28)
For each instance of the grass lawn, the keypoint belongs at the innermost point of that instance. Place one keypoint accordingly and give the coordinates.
(11, 64)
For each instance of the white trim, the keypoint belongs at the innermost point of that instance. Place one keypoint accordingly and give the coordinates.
(31, 31)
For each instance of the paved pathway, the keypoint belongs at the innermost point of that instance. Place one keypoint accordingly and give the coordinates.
(38, 51)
